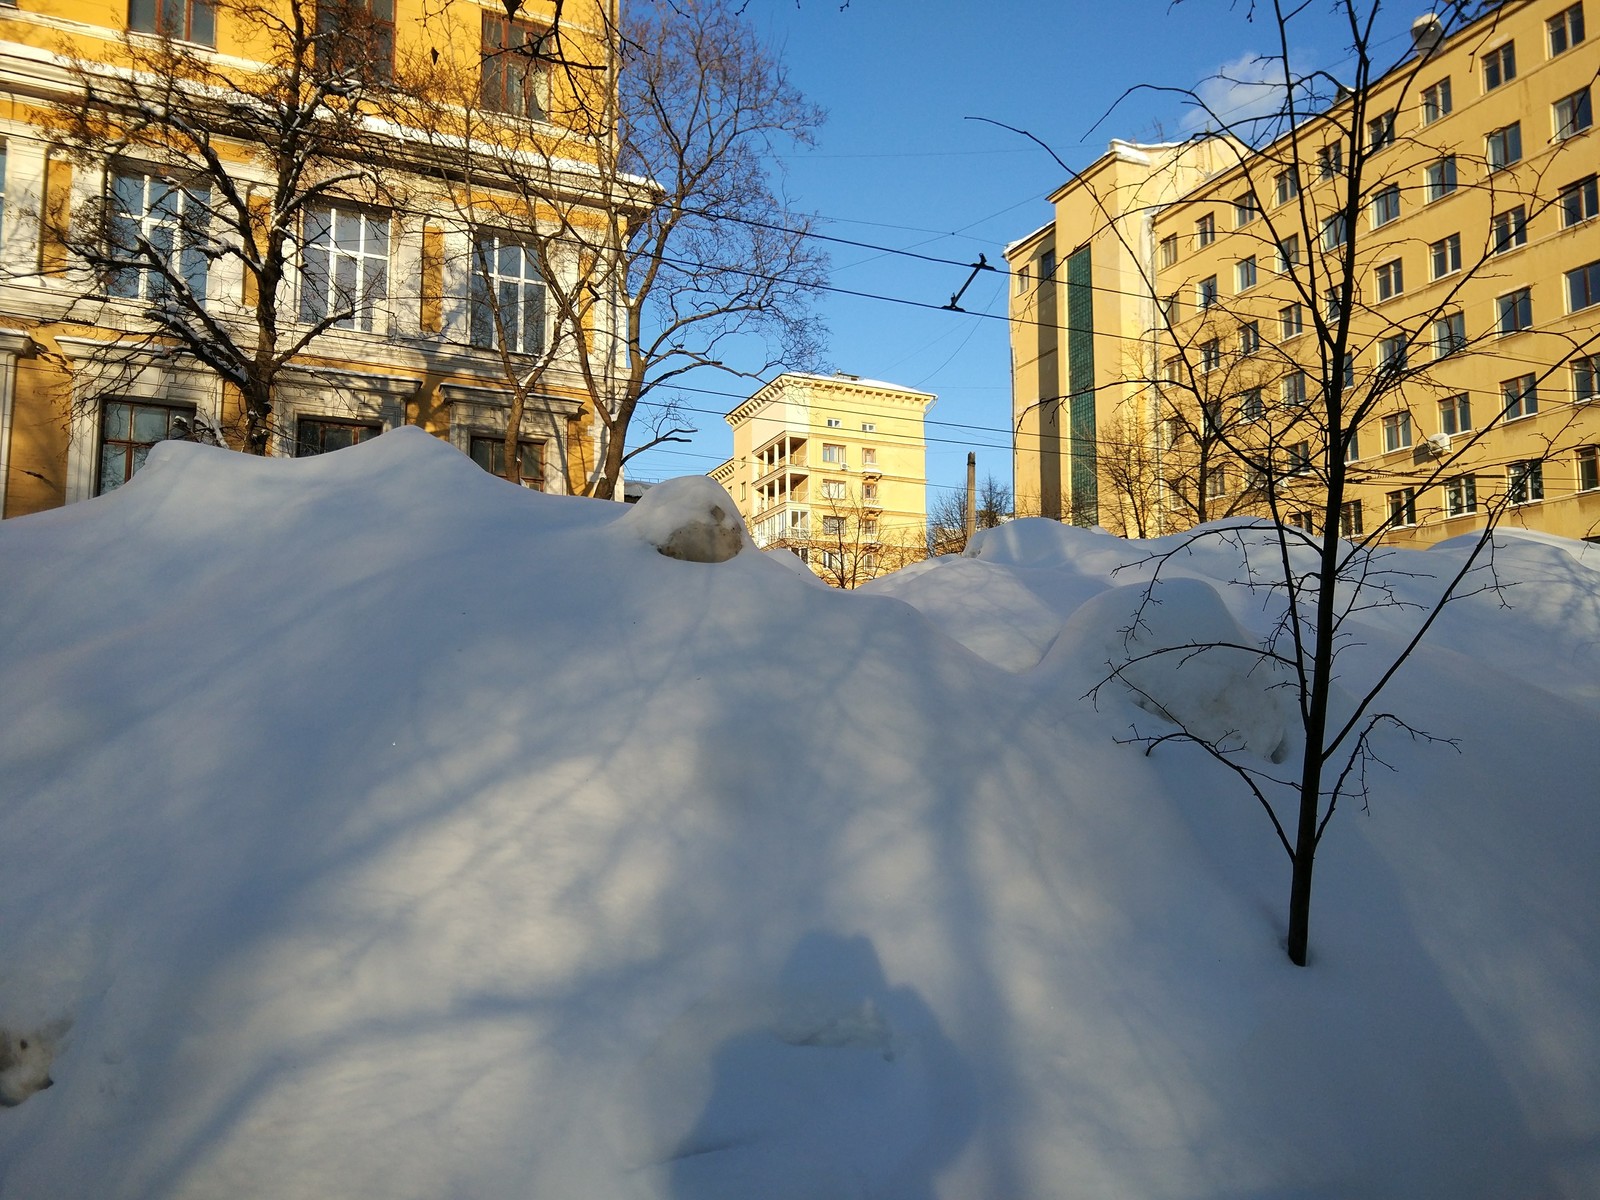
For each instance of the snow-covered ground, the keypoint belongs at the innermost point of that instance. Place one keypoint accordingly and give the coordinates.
(385, 831)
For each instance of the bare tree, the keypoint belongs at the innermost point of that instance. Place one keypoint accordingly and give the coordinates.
(947, 523)
(852, 543)
(211, 170)
(652, 222)
(1290, 384)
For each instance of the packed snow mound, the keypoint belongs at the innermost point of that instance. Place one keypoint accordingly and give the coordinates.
(387, 831)
(693, 519)
(1177, 652)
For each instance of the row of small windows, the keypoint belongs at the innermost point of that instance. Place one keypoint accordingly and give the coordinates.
(344, 263)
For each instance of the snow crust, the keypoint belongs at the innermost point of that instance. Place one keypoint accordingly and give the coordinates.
(387, 831)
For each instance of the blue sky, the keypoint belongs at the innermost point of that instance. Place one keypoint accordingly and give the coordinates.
(899, 164)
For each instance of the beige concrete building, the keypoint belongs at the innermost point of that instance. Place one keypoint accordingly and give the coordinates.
(1426, 253)
(834, 468)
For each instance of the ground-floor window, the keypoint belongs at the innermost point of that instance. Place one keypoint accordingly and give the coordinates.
(127, 431)
(316, 435)
(490, 454)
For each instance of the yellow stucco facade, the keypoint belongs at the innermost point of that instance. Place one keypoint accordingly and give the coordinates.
(833, 467)
(1473, 293)
(84, 388)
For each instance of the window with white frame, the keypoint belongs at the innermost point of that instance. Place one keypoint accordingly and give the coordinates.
(1440, 178)
(1586, 378)
(1286, 185)
(1380, 131)
(834, 422)
(1508, 230)
(1449, 335)
(1288, 252)
(1205, 293)
(833, 527)
(1332, 305)
(832, 452)
(1352, 444)
(1396, 432)
(1579, 201)
(869, 427)
(156, 234)
(1245, 209)
(1169, 250)
(1514, 311)
(1565, 29)
(1403, 507)
(1583, 286)
(1205, 230)
(1294, 389)
(1588, 464)
(1299, 458)
(1460, 496)
(1249, 337)
(869, 456)
(1573, 114)
(833, 489)
(1520, 396)
(1210, 355)
(344, 267)
(1291, 320)
(1392, 353)
(1503, 146)
(1216, 482)
(1390, 279)
(1436, 101)
(1386, 206)
(1499, 66)
(1245, 273)
(1330, 160)
(1350, 523)
(1455, 414)
(1251, 405)
(506, 298)
(1444, 256)
(1333, 231)
(1524, 481)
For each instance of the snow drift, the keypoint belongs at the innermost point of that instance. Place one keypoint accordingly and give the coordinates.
(386, 831)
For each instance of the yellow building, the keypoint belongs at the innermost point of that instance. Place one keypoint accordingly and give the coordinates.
(381, 263)
(1462, 305)
(834, 468)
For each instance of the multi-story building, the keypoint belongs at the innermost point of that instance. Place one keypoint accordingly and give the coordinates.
(834, 468)
(1424, 252)
(405, 294)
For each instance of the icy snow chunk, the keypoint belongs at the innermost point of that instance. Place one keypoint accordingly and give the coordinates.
(1182, 656)
(691, 518)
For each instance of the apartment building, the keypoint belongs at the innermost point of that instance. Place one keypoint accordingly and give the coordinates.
(1425, 252)
(399, 288)
(833, 467)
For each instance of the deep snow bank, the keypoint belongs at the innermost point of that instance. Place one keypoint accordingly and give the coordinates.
(387, 831)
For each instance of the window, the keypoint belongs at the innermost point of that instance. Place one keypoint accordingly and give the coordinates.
(344, 269)
(1380, 131)
(1172, 432)
(869, 494)
(835, 423)
(1205, 293)
(1246, 272)
(1573, 114)
(315, 435)
(1386, 206)
(182, 20)
(1396, 432)
(1508, 230)
(1167, 308)
(1047, 264)
(1455, 414)
(1211, 416)
(1583, 286)
(833, 489)
(1350, 524)
(1348, 375)
(1352, 445)
(1444, 256)
(1205, 230)
(832, 453)
(1302, 519)
(832, 526)
(1504, 146)
(515, 80)
(1521, 396)
(1245, 210)
(1392, 354)
(1288, 252)
(1333, 231)
(128, 430)
(1292, 320)
(1294, 389)
(1403, 507)
(1022, 279)
(355, 37)
(1249, 337)
(1300, 458)
(1441, 178)
(1524, 481)
(1332, 305)
(1565, 29)
(1391, 280)
(1460, 496)
(1286, 185)
(1499, 66)
(156, 233)
(869, 427)
(1172, 370)
(869, 456)
(506, 304)
(1251, 405)
(1449, 335)
(1588, 468)
(1216, 483)
(1330, 160)
(1210, 355)
(1515, 311)
(1169, 250)
(869, 529)
(1580, 202)
(1585, 378)
(1436, 101)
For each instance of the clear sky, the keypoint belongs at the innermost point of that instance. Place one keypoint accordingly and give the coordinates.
(900, 165)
